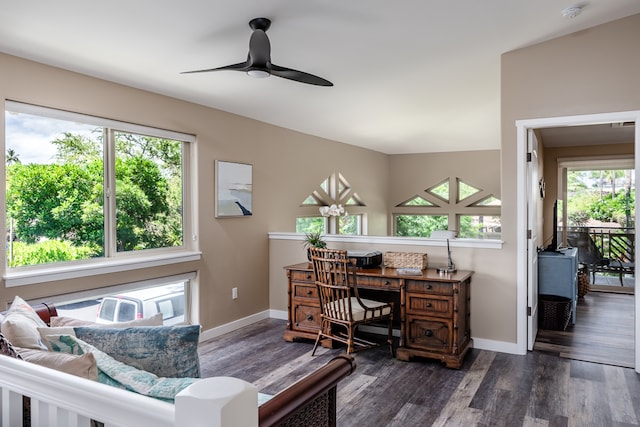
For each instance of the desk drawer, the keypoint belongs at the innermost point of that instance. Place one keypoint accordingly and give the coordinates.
(429, 334)
(302, 276)
(429, 305)
(437, 288)
(306, 318)
(304, 290)
(378, 282)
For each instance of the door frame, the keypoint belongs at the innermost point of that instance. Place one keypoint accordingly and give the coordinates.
(523, 127)
(533, 175)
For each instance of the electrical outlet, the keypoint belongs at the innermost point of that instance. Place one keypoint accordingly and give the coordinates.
(234, 293)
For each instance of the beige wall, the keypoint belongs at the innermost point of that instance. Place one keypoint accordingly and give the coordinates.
(287, 166)
(411, 174)
(592, 71)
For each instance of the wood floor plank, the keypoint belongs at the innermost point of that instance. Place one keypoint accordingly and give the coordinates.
(491, 389)
(604, 331)
(588, 403)
(633, 384)
(618, 396)
(455, 410)
(408, 415)
(548, 399)
(359, 384)
(534, 422)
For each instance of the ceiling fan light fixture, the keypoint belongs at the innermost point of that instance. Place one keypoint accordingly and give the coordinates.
(571, 12)
(258, 74)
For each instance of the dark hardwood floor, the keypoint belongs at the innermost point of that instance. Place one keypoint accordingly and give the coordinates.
(491, 389)
(603, 333)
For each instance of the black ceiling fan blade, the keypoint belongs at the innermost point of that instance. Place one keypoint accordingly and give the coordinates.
(259, 49)
(241, 66)
(258, 63)
(298, 76)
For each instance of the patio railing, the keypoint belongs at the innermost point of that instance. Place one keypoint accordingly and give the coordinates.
(615, 243)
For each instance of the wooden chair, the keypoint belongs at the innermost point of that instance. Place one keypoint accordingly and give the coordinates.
(341, 308)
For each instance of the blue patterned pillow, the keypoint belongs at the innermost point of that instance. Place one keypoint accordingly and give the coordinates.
(121, 375)
(166, 351)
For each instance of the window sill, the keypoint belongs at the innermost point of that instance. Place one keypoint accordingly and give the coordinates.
(393, 240)
(93, 268)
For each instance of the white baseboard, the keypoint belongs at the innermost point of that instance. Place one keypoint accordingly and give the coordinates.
(497, 346)
(236, 324)
(279, 314)
(479, 343)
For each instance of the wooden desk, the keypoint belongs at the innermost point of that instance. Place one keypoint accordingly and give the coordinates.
(434, 309)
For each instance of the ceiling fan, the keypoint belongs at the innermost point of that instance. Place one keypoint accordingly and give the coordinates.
(258, 63)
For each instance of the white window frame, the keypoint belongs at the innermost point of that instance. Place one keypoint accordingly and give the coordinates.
(128, 287)
(114, 261)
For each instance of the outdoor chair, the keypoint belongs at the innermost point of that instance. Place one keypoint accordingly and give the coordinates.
(341, 308)
(592, 258)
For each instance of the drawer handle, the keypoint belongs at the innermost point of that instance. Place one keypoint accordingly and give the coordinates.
(309, 317)
(309, 277)
(429, 304)
(386, 282)
(309, 292)
(428, 333)
(429, 287)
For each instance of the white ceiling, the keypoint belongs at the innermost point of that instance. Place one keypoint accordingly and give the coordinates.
(410, 76)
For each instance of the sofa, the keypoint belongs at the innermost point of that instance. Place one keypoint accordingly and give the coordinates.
(310, 401)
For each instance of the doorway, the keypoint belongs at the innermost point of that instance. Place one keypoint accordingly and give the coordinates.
(595, 215)
(526, 328)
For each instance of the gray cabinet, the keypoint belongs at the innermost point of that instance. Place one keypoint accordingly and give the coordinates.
(558, 275)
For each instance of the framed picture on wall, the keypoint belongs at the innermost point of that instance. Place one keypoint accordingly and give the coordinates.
(234, 188)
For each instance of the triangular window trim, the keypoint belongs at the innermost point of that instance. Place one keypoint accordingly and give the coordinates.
(462, 184)
(424, 203)
(431, 189)
(483, 203)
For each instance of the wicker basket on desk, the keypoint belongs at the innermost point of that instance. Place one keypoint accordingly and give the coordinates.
(405, 260)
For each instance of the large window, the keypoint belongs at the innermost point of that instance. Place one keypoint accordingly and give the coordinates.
(123, 303)
(80, 187)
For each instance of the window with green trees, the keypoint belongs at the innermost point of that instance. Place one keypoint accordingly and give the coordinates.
(80, 187)
(311, 224)
(419, 225)
(451, 204)
(597, 197)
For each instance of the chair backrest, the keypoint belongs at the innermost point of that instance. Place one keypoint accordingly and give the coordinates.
(334, 275)
(588, 252)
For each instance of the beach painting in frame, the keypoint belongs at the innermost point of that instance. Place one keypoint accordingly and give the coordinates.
(233, 189)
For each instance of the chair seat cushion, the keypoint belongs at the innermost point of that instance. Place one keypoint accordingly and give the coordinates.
(373, 309)
(623, 265)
